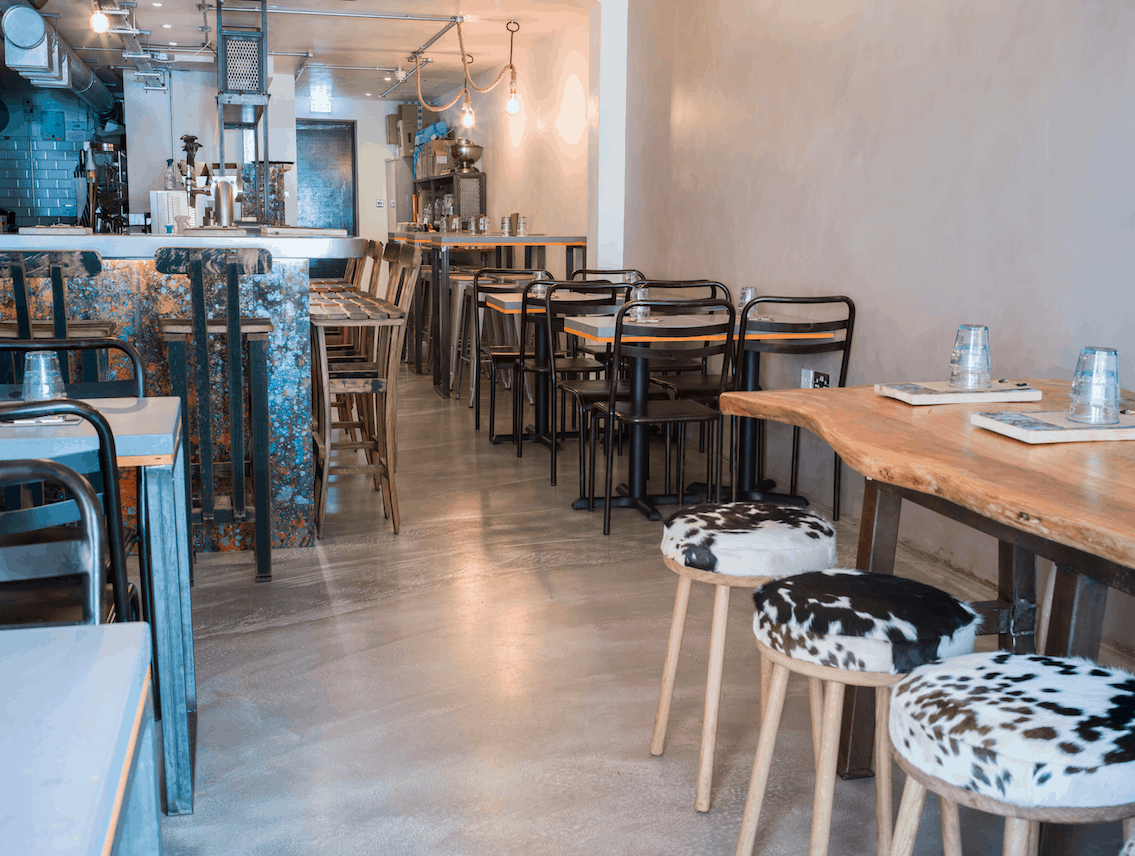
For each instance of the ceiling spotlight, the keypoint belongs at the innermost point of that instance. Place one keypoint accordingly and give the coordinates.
(100, 23)
(400, 74)
(368, 95)
(173, 44)
(157, 4)
(166, 26)
(388, 78)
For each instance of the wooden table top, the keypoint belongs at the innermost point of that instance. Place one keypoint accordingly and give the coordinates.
(1078, 494)
(511, 302)
(601, 328)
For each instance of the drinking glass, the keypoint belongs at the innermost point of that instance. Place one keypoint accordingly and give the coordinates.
(638, 313)
(521, 226)
(748, 293)
(506, 226)
(42, 378)
(969, 364)
(539, 290)
(1095, 387)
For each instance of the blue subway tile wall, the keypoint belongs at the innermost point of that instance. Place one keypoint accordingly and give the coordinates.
(36, 180)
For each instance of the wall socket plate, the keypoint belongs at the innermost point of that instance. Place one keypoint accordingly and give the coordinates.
(378, 203)
(810, 379)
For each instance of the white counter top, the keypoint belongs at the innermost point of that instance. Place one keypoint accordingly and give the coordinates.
(145, 246)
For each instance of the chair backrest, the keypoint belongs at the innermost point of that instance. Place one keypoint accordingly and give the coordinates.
(24, 560)
(105, 462)
(482, 288)
(374, 252)
(610, 275)
(392, 255)
(116, 388)
(406, 271)
(685, 289)
(759, 306)
(595, 298)
(708, 333)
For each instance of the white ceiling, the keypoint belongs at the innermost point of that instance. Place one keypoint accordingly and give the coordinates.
(335, 41)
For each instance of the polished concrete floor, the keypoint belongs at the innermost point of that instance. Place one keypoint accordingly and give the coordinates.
(485, 682)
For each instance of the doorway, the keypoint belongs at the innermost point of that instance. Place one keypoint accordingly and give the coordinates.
(326, 183)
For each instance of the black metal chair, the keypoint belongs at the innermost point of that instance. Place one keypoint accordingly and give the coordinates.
(748, 368)
(227, 266)
(679, 340)
(535, 361)
(32, 561)
(495, 356)
(586, 392)
(34, 541)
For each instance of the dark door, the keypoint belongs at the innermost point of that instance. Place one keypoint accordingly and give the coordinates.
(326, 179)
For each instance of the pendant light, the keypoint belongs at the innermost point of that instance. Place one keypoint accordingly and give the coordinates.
(512, 106)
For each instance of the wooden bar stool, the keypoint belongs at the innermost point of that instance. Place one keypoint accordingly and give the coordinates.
(734, 545)
(368, 385)
(1028, 737)
(854, 628)
(55, 264)
(239, 333)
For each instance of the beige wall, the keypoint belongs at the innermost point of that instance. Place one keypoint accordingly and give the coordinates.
(938, 162)
(536, 162)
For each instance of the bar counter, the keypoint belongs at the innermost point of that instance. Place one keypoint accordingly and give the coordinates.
(131, 292)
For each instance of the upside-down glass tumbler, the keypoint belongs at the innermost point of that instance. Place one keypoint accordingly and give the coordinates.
(1095, 387)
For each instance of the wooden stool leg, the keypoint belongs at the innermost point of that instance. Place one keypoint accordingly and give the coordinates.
(766, 686)
(778, 683)
(951, 828)
(825, 770)
(1016, 837)
(670, 669)
(816, 707)
(712, 696)
(1034, 838)
(883, 829)
(1129, 828)
(910, 812)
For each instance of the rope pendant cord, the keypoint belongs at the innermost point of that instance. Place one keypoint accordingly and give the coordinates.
(464, 93)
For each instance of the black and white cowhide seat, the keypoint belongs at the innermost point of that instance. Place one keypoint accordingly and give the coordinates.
(1025, 736)
(731, 545)
(865, 622)
(749, 539)
(841, 627)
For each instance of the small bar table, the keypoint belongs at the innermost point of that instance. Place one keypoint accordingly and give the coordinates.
(147, 434)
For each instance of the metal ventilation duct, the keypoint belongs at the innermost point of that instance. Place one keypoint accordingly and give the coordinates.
(34, 50)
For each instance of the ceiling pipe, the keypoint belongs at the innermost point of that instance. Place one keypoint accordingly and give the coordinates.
(274, 10)
(34, 50)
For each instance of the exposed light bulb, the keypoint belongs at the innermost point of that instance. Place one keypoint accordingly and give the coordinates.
(467, 117)
(512, 105)
(100, 23)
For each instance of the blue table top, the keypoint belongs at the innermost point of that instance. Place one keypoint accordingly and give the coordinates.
(142, 427)
(67, 718)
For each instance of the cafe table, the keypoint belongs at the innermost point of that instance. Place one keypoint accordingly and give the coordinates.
(78, 741)
(440, 244)
(1070, 503)
(147, 434)
(601, 329)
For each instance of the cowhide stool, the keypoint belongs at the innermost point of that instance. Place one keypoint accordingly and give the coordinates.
(1024, 736)
(846, 627)
(734, 545)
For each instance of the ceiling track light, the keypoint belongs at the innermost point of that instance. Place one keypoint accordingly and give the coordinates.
(512, 106)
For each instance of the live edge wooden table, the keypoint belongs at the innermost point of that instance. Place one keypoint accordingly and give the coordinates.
(147, 434)
(1071, 503)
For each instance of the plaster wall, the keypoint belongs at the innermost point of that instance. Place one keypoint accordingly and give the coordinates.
(939, 163)
(536, 161)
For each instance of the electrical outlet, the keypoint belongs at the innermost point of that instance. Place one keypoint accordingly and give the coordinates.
(810, 379)
(378, 203)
